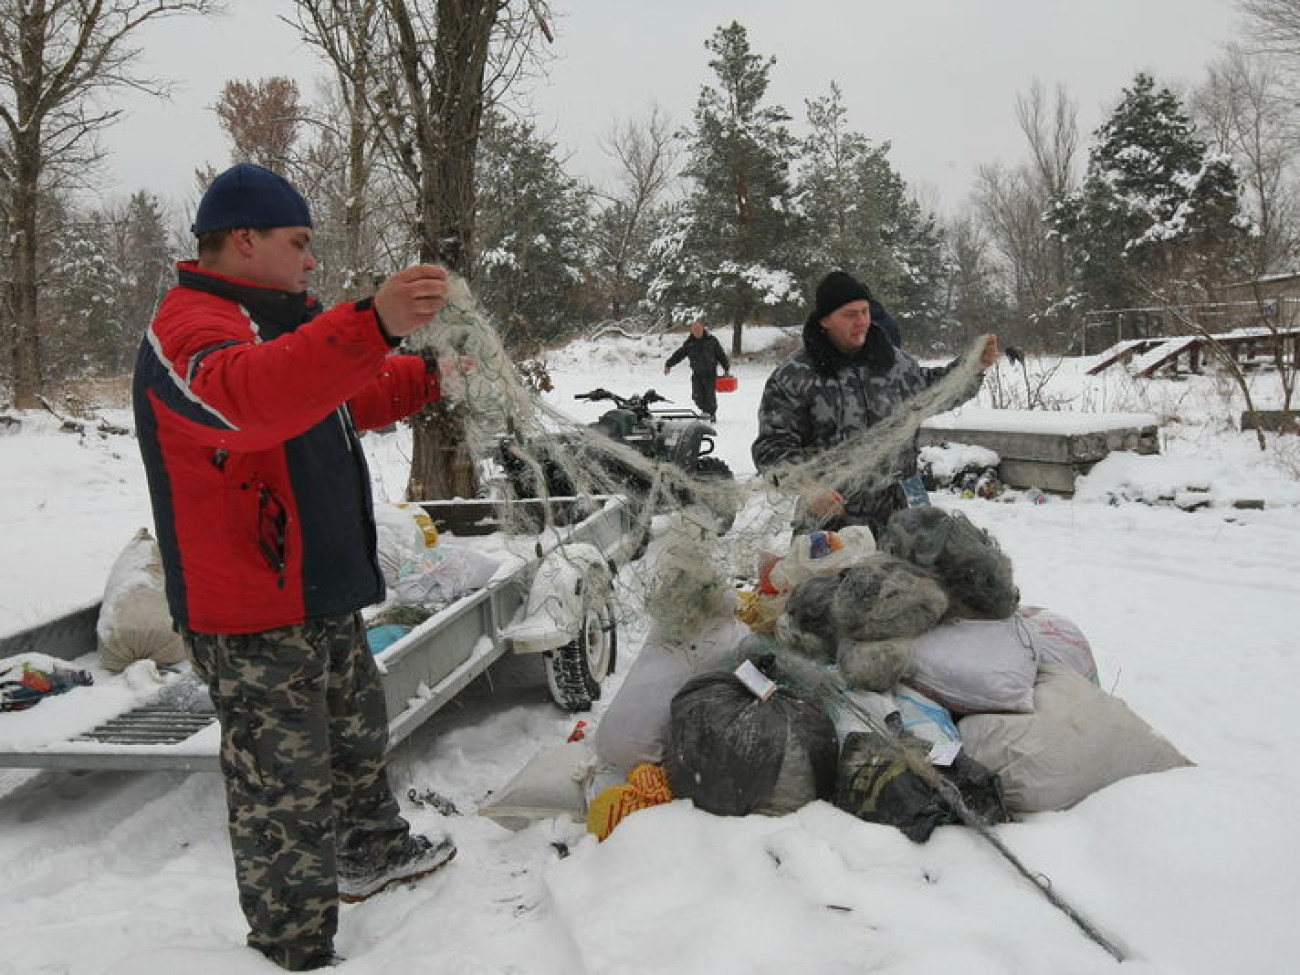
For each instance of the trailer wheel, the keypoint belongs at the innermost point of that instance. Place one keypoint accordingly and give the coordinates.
(574, 671)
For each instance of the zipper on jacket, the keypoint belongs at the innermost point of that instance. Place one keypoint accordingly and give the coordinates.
(353, 439)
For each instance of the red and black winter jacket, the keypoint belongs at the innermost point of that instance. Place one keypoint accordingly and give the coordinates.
(247, 401)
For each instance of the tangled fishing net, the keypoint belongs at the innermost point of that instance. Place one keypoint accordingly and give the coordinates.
(874, 665)
(687, 587)
(882, 598)
(526, 448)
(808, 623)
(973, 570)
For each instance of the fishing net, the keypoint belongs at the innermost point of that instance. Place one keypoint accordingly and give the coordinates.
(874, 665)
(685, 585)
(808, 623)
(883, 598)
(526, 448)
(973, 570)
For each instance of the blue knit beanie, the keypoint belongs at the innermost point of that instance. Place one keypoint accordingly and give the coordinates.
(248, 195)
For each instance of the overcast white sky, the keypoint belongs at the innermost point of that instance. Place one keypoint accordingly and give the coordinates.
(936, 78)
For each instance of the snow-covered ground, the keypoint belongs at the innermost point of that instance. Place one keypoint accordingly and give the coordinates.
(1191, 616)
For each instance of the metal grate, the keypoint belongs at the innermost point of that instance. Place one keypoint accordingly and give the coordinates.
(150, 724)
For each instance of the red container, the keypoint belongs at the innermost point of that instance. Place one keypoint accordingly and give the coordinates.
(725, 384)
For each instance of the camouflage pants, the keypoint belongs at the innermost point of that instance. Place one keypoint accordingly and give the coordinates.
(303, 735)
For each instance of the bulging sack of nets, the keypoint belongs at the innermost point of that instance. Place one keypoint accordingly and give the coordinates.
(879, 783)
(733, 753)
(885, 598)
(973, 570)
(807, 625)
(1077, 740)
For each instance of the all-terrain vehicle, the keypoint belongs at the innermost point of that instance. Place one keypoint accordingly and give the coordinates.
(678, 437)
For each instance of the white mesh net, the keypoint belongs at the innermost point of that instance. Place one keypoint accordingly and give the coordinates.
(711, 529)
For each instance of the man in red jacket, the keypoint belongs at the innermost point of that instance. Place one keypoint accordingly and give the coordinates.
(248, 397)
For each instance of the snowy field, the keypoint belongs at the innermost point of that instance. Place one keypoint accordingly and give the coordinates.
(1191, 616)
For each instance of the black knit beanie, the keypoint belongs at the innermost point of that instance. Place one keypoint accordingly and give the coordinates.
(836, 290)
(248, 195)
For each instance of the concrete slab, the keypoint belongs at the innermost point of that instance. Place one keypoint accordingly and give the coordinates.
(1277, 421)
(1044, 449)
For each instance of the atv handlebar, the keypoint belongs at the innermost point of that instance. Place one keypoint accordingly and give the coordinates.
(639, 403)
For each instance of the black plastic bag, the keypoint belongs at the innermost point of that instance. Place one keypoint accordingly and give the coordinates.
(733, 754)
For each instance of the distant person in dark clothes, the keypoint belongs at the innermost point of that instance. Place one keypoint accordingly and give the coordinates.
(848, 376)
(706, 354)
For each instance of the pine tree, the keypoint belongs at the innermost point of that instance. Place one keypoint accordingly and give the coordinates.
(728, 253)
(531, 227)
(86, 326)
(107, 273)
(145, 267)
(860, 216)
(1156, 219)
(974, 300)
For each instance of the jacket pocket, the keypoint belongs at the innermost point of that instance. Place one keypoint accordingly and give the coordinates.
(272, 531)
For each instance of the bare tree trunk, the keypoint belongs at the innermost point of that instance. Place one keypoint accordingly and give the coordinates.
(441, 464)
(428, 70)
(358, 178)
(26, 148)
(27, 364)
(54, 55)
(464, 34)
(744, 216)
(447, 141)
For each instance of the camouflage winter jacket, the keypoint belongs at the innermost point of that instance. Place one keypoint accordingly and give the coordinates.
(821, 397)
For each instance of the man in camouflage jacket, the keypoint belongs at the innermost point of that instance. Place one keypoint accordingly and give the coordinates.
(847, 377)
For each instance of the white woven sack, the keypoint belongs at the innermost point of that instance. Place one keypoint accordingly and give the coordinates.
(635, 728)
(1058, 638)
(974, 666)
(552, 784)
(134, 621)
(1078, 739)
